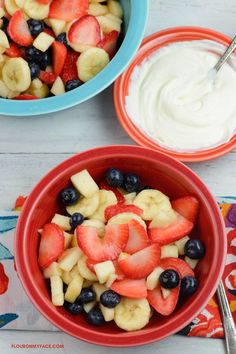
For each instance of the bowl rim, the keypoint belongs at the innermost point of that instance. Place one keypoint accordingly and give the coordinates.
(129, 46)
(143, 336)
(173, 33)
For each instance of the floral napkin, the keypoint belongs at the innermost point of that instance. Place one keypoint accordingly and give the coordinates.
(17, 312)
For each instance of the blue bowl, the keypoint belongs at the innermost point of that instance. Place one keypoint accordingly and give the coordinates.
(135, 18)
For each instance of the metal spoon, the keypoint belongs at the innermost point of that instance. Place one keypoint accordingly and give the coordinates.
(228, 322)
(225, 56)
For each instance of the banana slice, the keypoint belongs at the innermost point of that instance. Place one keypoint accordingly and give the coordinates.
(132, 314)
(106, 198)
(11, 6)
(91, 62)
(152, 201)
(20, 3)
(124, 218)
(85, 206)
(16, 74)
(36, 10)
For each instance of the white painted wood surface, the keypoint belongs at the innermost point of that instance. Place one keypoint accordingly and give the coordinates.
(29, 147)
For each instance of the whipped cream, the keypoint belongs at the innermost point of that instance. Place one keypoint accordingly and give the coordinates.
(175, 98)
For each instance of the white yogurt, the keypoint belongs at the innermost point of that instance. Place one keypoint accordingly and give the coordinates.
(173, 99)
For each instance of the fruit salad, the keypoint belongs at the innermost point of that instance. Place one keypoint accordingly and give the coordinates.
(122, 250)
(49, 47)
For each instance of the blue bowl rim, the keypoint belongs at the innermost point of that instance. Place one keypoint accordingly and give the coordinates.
(130, 44)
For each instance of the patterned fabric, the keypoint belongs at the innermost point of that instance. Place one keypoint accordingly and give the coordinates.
(16, 311)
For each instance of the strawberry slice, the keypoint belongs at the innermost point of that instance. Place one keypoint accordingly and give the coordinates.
(18, 29)
(90, 264)
(109, 43)
(59, 52)
(187, 207)
(13, 51)
(4, 280)
(25, 96)
(85, 31)
(119, 196)
(51, 245)
(163, 306)
(47, 77)
(165, 235)
(130, 288)
(68, 10)
(113, 210)
(108, 248)
(138, 238)
(140, 264)
(49, 31)
(69, 71)
(119, 273)
(44, 2)
(177, 264)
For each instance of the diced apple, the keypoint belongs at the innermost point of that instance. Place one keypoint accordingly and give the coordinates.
(108, 314)
(123, 255)
(36, 83)
(112, 277)
(84, 271)
(153, 278)
(115, 8)
(89, 306)
(98, 289)
(169, 251)
(62, 221)
(180, 244)
(74, 271)
(66, 277)
(51, 270)
(129, 198)
(74, 242)
(104, 270)
(74, 288)
(69, 258)
(58, 26)
(84, 183)
(68, 238)
(191, 262)
(98, 9)
(43, 41)
(108, 24)
(163, 218)
(165, 292)
(57, 294)
(58, 87)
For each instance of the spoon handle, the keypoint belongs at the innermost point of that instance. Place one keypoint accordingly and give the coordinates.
(228, 322)
(226, 54)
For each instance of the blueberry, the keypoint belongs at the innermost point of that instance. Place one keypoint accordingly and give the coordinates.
(74, 308)
(68, 196)
(62, 39)
(86, 295)
(169, 279)
(189, 285)
(76, 219)
(194, 249)
(35, 27)
(72, 84)
(95, 317)
(131, 182)
(45, 59)
(34, 70)
(33, 54)
(114, 177)
(110, 299)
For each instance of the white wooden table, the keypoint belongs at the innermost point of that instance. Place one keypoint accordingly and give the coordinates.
(29, 147)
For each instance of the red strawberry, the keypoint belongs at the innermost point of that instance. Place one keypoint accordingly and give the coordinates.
(69, 71)
(163, 306)
(4, 280)
(59, 53)
(178, 264)
(86, 31)
(165, 235)
(13, 51)
(47, 77)
(140, 264)
(187, 207)
(49, 31)
(119, 273)
(25, 96)
(44, 2)
(119, 196)
(18, 29)
(130, 288)
(113, 210)
(138, 238)
(109, 43)
(51, 245)
(68, 10)
(90, 264)
(108, 248)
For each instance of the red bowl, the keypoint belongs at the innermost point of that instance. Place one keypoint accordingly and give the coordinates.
(156, 169)
(151, 44)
